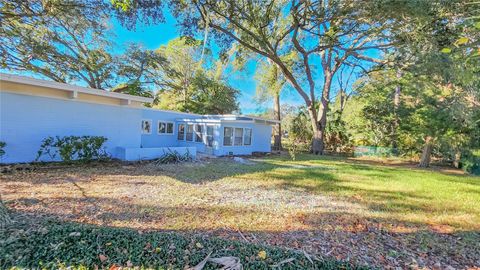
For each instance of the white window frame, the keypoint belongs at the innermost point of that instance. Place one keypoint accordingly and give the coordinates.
(166, 127)
(151, 127)
(232, 138)
(184, 131)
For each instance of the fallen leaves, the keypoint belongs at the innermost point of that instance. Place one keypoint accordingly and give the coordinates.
(262, 254)
(227, 263)
(102, 258)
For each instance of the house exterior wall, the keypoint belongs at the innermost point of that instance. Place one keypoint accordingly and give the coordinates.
(202, 146)
(154, 139)
(261, 139)
(26, 120)
(33, 110)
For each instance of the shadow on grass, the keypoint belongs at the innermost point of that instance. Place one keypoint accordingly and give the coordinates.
(53, 242)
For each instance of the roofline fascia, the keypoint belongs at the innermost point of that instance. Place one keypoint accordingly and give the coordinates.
(70, 88)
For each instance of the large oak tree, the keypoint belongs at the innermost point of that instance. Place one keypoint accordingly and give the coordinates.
(324, 34)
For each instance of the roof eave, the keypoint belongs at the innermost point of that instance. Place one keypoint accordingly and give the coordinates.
(72, 88)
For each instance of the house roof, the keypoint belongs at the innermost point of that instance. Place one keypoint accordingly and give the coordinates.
(230, 118)
(73, 89)
(126, 99)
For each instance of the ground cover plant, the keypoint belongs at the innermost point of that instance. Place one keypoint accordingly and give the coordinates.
(361, 211)
(53, 245)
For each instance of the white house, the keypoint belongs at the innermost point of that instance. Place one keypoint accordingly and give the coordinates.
(33, 109)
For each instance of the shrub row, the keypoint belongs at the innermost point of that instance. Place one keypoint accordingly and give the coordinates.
(81, 148)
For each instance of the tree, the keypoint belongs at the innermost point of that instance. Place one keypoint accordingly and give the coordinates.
(270, 83)
(61, 40)
(190, 81)
(330, 34)
(205, 96)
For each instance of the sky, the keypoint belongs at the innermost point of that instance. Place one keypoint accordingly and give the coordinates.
(153, 36)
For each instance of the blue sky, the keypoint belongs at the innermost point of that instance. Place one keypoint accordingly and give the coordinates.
(153, 36)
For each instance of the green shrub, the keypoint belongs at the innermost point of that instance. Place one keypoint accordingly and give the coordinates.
(69, 148)
(2, 151)
(174, 157)
(471, 163)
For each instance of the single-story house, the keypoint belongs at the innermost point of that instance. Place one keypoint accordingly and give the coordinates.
(33, 109)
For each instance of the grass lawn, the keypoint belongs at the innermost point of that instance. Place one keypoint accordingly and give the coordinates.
(361, 211)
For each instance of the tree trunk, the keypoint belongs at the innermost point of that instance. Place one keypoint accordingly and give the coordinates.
(396, 106)
(426, 153)
(277, 138)
(456, 160)
(318, 133)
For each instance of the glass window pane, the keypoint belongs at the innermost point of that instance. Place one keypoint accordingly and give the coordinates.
(146, 126)
(199, 133)
(247, 138)
(228, 131)
(209, 130)
(161, 127)
(238, 136)
(181, 132)
(227, 136)
(189, 132)
(170, 128)
(209, 137)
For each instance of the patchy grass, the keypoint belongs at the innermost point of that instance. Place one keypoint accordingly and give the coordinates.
(365, 212)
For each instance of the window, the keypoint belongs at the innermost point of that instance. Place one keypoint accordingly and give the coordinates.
(189, 132)
(170, 128)
(162, 128)
(247, 136)
(181, 132)
(209, 137)
(165, 127)
(146, 126)
(238, 136)
(227, 136)
(199, 133)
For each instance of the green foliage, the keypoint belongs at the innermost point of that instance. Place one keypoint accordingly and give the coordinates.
(337, 137)
(62, 40)
(191, 84)
(299, 132)
(69, 148)
(134, 88)
(78, 246)
(471, 162)
(174, 157)
(2, 151)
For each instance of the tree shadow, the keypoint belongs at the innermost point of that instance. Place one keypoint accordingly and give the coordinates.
(377, 241)
(54, 239)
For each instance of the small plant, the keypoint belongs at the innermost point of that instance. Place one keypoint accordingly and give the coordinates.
(2, 151)
(82, 148)
(174, 157)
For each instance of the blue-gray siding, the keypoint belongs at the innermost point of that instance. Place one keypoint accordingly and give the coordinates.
(26, 120)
